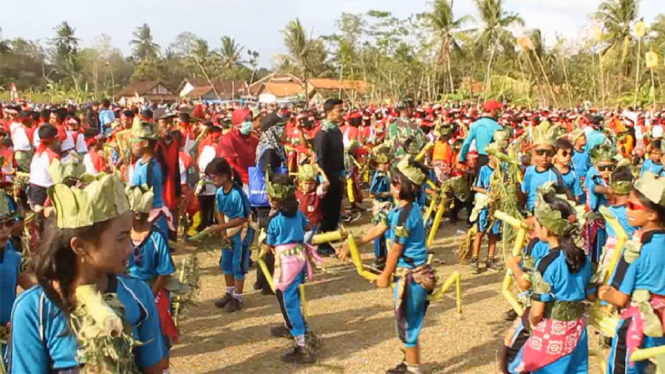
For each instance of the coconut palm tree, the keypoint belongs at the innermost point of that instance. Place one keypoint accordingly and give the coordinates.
(307, 55)
(5, 47)
(230, 53)
(446, 29)
(143, 45)
(65, 41)
(494, 34)
(616, 18)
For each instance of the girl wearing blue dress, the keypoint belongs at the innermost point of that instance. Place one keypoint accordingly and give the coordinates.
(638, 283)
(87, 245)
(555, 325)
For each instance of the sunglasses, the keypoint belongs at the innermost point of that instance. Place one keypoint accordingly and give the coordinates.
(566, 153)
(7, 223)
(635, 206)
(545, 152)
(606, 167)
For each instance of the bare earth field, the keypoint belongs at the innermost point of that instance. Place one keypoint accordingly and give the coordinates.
(354, 318)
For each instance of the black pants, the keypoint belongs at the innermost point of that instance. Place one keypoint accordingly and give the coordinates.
(330, 207)
(264, 220)
(207, 207)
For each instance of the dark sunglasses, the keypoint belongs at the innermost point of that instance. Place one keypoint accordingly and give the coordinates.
(7, 223)
(635, 206)
(566, 153)
(545, 152)
(606, 167)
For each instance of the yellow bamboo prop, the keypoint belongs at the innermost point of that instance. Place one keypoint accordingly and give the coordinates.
(358, 262)
(430, 209)
(647, 353)
(517, 250)
(332, 236)
(437, 221)
(264, 268)
(421, 156)
(303, 301)
(456, 279)
(181, 278)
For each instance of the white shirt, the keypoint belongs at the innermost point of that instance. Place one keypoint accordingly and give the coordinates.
(39, 174)
(207, 155)
(75, 141)
(89, 166)
(20, 137)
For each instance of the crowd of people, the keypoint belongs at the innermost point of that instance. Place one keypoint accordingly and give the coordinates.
(92, 195)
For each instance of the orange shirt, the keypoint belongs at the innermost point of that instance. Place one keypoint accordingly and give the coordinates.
(442, 151)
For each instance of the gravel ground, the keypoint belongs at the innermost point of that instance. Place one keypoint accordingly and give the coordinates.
(354, 318)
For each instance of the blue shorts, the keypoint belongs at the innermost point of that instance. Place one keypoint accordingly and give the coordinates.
(235, 261)
(409, 325)
(484, 223)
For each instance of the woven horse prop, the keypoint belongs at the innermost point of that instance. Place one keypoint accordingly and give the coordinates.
(508, 280)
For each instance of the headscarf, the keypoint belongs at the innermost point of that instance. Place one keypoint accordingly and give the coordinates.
(271, 139)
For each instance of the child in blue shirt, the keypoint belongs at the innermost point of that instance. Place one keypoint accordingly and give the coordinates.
(540, 173)
(285, 236)
(151, 260)
(570, 178)
(598, 188)
(407, 254)
(379, 190)
(86, 251)
(560, 278)
(581, 160)
(10, 267)
(483, 186)
(638, 284)
(148, 171)
(653, 164)
(233, 212)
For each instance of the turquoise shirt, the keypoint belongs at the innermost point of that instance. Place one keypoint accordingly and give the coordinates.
(406, 228)
(565, 286)
(151, 258)
(482, 131)
(595, 138)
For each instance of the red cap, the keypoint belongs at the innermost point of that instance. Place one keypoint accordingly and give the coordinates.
(490, 105)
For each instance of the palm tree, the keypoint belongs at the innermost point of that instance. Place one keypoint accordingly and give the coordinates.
(143, 45)
(446, 29)
(494, 34)
(65, 41)
(616, 17)
(5, 47)
(230, 53)
(307, 55)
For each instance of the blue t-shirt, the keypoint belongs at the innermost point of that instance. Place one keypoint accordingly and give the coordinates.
(482, 131)
(484, 176)
(406, 228)
(534, 179)
(151, 258)
(140, 177)
(536, 249)
(566, 286)
(619, 212)
(40, 338)
(573, 183)
(646, 272)
(106, 116)
(595, 138)
(233, 204)
(380, 184)
(10, 268)
(651, 167)
(287, 230)
(594, 199)
(581, 162)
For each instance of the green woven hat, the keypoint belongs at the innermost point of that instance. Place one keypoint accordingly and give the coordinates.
(140, 198)
(4, 205)
(64, 172)
(143, 131)
(652, 187)
(575, 134)
(603, 152)
(446, 129)
(100, 200)
(413, 173)
(544, 134)
(307, 173)
(552, 219)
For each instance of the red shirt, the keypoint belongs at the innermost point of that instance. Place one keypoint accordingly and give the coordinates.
(240, 151)
(310, 206)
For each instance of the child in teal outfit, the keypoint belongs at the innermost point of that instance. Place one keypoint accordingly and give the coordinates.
(233, 211)
(379, 190)
(407, 255)
(638, 284)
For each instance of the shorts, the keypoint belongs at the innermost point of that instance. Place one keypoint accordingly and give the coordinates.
(235, 261)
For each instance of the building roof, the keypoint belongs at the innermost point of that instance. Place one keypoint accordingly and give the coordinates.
(278, 84)
(284, 89)
(227, 89)
(141, 88)
(336, 84)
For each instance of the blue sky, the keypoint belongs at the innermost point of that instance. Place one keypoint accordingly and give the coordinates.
(256, 24)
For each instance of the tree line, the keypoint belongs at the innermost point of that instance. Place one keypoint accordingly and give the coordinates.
(435, 55)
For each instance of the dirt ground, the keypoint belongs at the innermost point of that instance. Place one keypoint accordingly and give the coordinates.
(354, 318)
